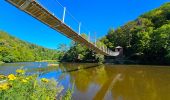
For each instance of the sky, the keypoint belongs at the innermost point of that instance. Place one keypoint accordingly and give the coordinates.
(95, 16)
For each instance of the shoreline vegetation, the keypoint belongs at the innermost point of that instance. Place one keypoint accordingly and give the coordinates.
(1, 62)
(22, 87)
(50, 62)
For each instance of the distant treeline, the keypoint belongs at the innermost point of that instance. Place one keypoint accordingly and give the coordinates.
(14, 50)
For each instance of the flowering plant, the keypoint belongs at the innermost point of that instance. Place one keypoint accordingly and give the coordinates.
(22, 87)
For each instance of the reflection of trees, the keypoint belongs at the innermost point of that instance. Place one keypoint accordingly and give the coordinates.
(135, 83)
(142, 84)
(86, 75)
(100, 75)
(113, 77)
(82, 80)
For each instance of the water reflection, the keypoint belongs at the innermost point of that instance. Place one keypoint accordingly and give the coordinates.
(121, 83)
(107, 82)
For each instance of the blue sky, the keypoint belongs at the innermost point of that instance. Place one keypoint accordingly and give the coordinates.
(96, 16)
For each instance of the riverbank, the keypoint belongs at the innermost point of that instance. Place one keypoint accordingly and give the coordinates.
(49, 61)
(1, 62)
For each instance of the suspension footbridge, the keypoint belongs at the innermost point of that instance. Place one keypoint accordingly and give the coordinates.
(39, 12)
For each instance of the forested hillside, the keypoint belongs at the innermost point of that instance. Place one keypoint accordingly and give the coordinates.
(15, 50)
(146, 39)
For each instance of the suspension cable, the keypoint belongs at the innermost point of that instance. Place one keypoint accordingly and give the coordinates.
(68, 12)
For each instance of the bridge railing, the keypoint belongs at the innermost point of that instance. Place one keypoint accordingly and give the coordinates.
(62, 13)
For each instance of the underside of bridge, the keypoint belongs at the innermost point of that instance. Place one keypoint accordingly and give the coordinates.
(37, 11)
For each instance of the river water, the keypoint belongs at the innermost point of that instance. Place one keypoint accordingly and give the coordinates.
(104, 82)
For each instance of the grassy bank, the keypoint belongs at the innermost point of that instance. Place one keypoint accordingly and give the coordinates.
(1, 62)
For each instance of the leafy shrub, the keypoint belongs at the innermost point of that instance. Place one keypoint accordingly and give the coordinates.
(22, 87)
(99, 58)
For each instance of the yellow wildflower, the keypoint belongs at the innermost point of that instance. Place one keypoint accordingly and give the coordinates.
(20, 71)
(11, 77)
(4, 86)
(44, 80)
(24, 81)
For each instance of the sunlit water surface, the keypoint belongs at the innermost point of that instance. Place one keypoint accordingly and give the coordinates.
(105, 82)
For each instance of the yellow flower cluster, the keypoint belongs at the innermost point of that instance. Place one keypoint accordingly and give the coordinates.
(20, 71)
(44, 80)
(4, 86)
(11, 77)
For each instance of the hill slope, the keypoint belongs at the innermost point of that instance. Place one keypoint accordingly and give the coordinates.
(146, 39)
(15, 50)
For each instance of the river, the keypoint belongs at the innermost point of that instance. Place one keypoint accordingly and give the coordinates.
(104, 82)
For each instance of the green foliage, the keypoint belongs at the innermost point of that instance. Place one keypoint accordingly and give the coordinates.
(99, 58)
(68, 94)
(147, 37)
(15, 50)
(77, 52)
(1, 62)
(80, 53)
(159, 16)
(22, 87)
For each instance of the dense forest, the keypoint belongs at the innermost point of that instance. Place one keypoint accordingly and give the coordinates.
(146, 39)
(14, 50)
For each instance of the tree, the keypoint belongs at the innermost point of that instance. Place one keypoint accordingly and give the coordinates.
(15, 50)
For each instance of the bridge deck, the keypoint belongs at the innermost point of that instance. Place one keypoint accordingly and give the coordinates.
(36, 10)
